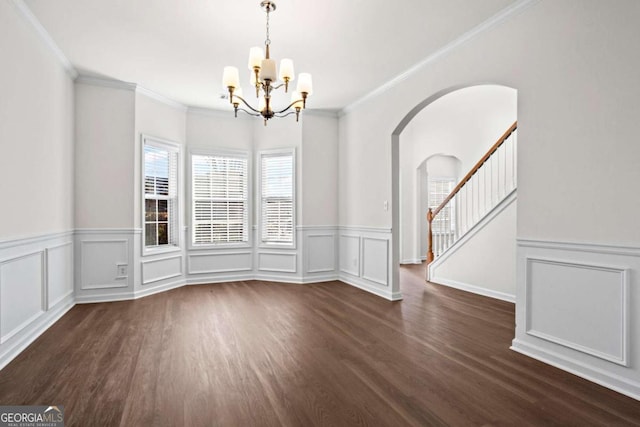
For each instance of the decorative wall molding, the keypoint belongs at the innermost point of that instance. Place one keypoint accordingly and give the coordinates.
(365, 286)
(238, 258)
(349, 264)
(30, 334)
(160, 98)
(89, 267)
(475, 290)
(44, 35)
(573, 310)
(134, 87)
(267, 261)
(59, 273)
(376, 270)
(318, 258)
(23, 292)
(366, 260)
(596, 248)
(497, 19)
(36, 288)
(106, 82)
(38, 238)
(147, 263)
(83, 231)
(619, 383)
(621, 312)
(364, 229)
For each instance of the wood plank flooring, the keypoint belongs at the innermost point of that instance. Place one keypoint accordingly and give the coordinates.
(270, 354)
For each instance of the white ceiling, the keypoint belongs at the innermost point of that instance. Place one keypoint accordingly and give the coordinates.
(178, 48)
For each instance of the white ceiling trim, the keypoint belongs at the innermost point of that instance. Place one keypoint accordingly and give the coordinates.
(110, 83)
(160, 98)
(31, 19)
(490, 23)
(117, 84)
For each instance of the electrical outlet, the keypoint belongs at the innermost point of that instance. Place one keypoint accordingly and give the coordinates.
(121, 271)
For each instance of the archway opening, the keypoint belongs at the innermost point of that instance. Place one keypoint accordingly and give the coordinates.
(458, 123)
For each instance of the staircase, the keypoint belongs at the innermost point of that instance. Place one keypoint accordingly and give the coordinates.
(488, 186)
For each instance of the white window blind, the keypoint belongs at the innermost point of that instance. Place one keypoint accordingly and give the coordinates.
(276, 209)
(219, 199)
(160, 195)
(439, 189)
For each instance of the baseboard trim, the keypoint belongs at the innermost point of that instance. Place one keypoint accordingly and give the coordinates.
(158, 289)
(411, 261)
(40, 326)
(361, 284)
(474, 289)
(617, 383)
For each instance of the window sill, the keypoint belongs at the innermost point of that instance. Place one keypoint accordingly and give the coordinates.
(159, 250)
(220, 246)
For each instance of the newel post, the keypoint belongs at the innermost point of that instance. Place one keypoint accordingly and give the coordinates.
(429, 237)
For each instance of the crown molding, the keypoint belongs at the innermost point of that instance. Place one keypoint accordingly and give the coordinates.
(106, 82)
(320, 112)
(497, 19)
(35, 24)
(134, 87)
(160, 98)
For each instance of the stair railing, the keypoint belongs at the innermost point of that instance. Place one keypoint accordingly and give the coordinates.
(491, 180)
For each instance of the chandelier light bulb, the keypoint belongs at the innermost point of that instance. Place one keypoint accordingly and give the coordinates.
(230, 77)
(286, 70)
(305, 83)
(256, 55)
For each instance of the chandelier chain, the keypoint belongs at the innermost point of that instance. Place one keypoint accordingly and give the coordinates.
(267, 42)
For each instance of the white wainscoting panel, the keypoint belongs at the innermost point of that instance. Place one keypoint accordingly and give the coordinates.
(320, 253)
(99, 263)
(366, 260)
(580, 306)
(219, 262)
(575, 310)
(59, 262)
(156, 270)
(375, 260)
(350, 254)
(280, 262)
(22, 293)
(36, 288)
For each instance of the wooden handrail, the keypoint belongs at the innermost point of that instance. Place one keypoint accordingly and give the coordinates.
(474, 169)
(431, 214)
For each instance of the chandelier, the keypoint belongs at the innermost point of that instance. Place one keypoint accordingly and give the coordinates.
(264, 77)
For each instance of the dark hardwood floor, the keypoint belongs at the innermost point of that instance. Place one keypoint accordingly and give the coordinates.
(259, 353)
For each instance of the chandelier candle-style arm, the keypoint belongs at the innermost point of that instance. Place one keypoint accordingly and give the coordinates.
(264, 77)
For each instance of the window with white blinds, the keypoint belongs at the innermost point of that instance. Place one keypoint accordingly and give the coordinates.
(439, 189)
(277, 197)
(160, 194)
(220, 208)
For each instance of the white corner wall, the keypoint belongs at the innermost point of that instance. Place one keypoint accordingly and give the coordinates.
(577, 103)
(484, 261)
(36, 171)
(104, 157)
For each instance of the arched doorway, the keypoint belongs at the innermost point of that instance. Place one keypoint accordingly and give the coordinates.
(454, 122)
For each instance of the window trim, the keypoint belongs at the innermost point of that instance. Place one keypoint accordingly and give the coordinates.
(220, 152)
(258, 196)
(176, 147)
